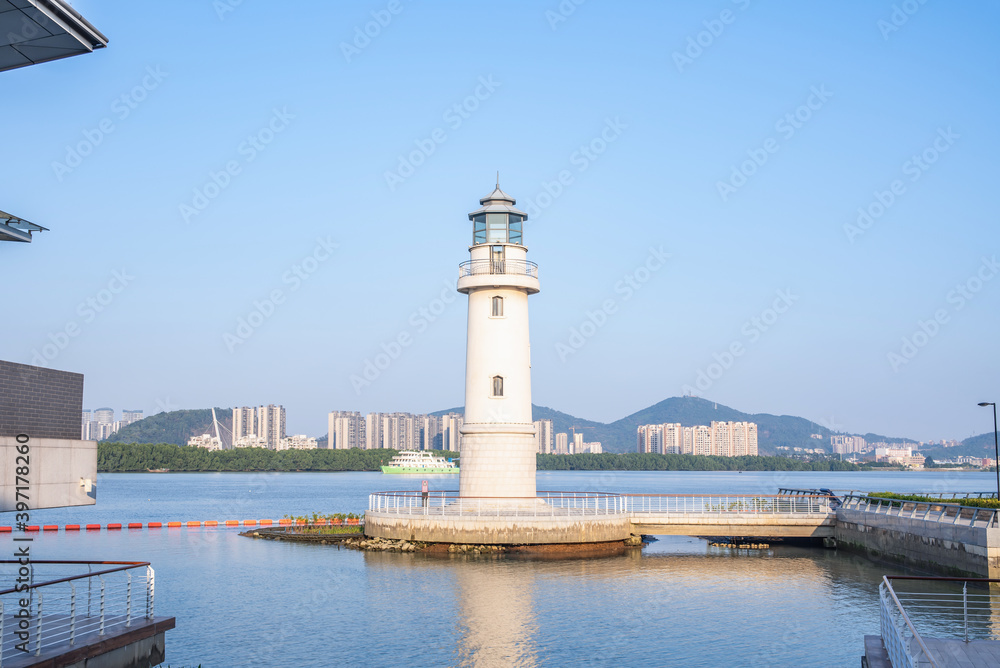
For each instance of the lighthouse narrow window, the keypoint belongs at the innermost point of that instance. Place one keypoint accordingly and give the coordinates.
(498, 307)
(497, 386)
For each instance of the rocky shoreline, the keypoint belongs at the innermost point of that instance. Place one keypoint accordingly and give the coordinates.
(376, 544)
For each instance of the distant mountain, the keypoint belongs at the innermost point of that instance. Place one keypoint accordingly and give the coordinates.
(974, 446)
(619, 436)
(173, 427)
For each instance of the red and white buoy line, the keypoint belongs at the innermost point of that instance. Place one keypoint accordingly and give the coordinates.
(118, 526)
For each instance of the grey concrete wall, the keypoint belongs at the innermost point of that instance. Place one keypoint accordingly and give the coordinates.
(497, 530)
(788, 525)
(952, 548)
(40, 402)
(60, 473)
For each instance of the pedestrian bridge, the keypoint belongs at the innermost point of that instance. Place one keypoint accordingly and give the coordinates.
(771, 516)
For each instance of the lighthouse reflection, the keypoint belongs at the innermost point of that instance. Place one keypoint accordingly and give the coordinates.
(496, 622)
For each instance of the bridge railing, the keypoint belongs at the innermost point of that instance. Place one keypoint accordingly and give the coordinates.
(449, 503)
(48, 603)
(931, 511)
(771, 504)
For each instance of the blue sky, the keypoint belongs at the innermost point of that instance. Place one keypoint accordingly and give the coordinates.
(227, 159)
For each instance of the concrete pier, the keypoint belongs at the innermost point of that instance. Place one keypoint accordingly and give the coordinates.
(957, 543)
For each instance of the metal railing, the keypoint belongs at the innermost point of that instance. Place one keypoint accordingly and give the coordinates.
(949, 513)
(449, 503)
(64, 607)
(487, 267)
(548, 503)
(939, 607)
(722, 504)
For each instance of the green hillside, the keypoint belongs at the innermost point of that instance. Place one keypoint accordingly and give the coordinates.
(619, 436)
(173, 427)
(974, 446)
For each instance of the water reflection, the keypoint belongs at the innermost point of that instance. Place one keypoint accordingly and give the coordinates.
(679, 599)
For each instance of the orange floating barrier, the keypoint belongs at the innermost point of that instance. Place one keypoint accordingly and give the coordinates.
(31, 528)
(266, 523)
(135, 525)
(114, 527)
(173, 525)
(352, 521)
(336, 522)
(72, 527)
(93, 527)
(284, 521)
(6, 529)
(249, 523)
(319, 522)
(50, 527)
(211, 523)
(155, 525)
(194, 524)
(300, 522)
(232, 523)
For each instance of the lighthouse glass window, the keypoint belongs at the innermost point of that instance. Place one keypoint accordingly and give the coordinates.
(496, 228)
(497, 386)
(479, 229)
(515, 229)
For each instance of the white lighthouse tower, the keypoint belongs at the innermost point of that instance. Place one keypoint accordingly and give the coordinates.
(498, 445)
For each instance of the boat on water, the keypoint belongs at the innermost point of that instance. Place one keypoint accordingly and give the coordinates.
(158, 470)
(419, 462)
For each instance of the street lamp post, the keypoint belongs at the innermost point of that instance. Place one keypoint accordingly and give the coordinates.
(996, 448)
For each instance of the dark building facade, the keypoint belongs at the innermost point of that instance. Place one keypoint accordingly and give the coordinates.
(40, 402)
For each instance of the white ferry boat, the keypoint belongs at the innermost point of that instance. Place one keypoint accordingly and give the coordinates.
(411, 461)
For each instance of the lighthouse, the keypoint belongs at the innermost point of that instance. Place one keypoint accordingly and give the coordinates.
(498, 444)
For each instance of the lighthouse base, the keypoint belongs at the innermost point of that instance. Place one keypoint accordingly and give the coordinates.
(498, 530)
(548, 519)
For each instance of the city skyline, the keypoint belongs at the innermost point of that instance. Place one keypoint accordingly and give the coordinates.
(808, 237)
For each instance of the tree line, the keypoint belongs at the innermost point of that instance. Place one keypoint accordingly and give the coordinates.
(130, 457)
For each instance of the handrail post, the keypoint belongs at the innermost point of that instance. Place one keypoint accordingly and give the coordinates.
(128, 599)
(101, 578)
(149, 592)
(72, 613)
(965, 608)
(38, 625)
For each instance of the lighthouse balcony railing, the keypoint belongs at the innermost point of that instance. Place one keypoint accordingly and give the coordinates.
(506, 267)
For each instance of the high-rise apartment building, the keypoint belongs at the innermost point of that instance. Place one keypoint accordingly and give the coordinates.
(271, 425)
(842, 444)
(430, 432)
(345, 430)
(724, 439)
(259, 427)
(451, 432)
(562, 443)
(543, 436)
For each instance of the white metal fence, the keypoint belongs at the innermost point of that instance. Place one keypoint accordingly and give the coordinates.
(933, 511)
(550, 504)
(545, 504)
(49, 603)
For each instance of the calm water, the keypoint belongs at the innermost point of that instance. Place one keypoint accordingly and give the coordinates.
(243, 602)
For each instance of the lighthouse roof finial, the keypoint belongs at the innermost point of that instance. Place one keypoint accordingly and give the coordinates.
(498, 201)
